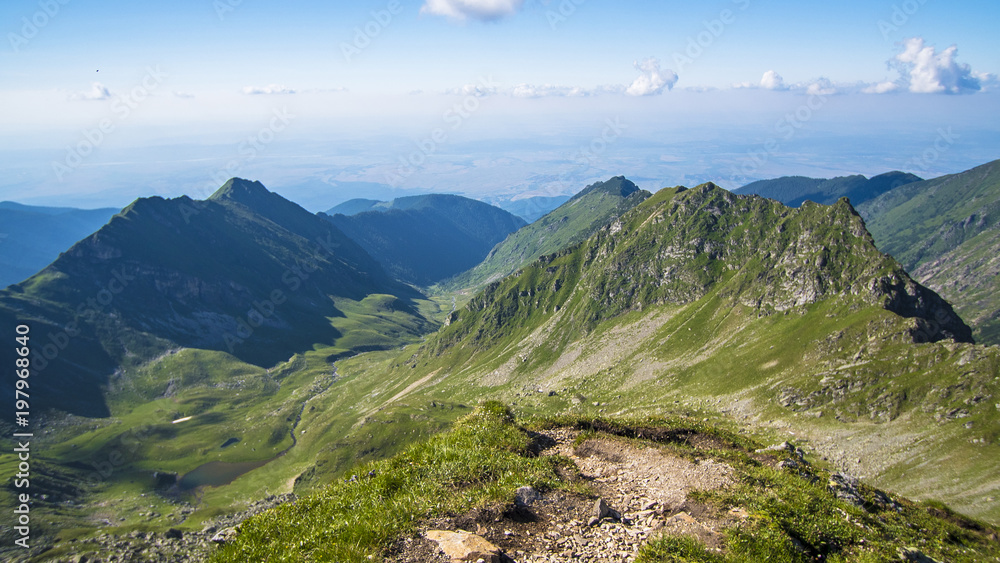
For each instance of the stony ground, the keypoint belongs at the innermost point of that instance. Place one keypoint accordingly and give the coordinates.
(644, 491)
(171, 546)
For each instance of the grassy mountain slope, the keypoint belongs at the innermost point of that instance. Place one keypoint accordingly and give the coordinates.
(794, 190)
(424, 239)
(471, 472)
(788, 320)
(568, 224)
(945, 232)
(782, 322)
(244, 272)
(32, 237)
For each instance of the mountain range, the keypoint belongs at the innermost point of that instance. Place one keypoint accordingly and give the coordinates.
(258, 349)
(724, 304)
(794, 190)
(245, 272)
(578, 218)
(425, 239)
(946, 231)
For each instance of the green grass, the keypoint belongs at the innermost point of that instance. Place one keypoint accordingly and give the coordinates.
(945, 232)
(673, 549)
(554, 341)
(569, 224)
(793, 516)
(482, 460)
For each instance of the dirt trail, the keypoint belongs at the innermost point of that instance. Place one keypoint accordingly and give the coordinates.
(645, 485)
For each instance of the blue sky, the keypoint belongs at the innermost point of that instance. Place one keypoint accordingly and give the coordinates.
(207, 72)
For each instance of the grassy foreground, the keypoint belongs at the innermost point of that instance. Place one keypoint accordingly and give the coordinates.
(793, 514)
(483, 459)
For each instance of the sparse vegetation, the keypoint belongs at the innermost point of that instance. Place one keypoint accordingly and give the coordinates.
(483, 459)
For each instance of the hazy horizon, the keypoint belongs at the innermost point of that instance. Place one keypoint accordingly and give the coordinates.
(491, 99)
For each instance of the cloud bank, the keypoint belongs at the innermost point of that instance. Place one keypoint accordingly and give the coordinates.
(270, 89)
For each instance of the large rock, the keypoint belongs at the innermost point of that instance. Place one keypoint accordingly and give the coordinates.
(463, 546)
(225, 536)
(526, 496)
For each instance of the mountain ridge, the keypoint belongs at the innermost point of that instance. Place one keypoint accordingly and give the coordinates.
(575, 220)
(795, 190)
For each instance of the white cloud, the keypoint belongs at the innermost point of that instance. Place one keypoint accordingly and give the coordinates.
(461, 10)
(185, 95)
(653, 80)
(881, 88)
(547, 90)
(925, 71)
(97, 91)
(477, 90)
(822, 87)
(987, 80)
(772, 81)
(267, 90)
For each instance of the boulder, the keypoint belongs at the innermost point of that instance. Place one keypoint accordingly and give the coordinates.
(526, 496)
(465, 547)
(224, 536)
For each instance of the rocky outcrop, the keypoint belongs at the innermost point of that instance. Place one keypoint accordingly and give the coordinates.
(463, 547)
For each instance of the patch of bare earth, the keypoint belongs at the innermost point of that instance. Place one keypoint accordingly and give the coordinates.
(645, 488)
